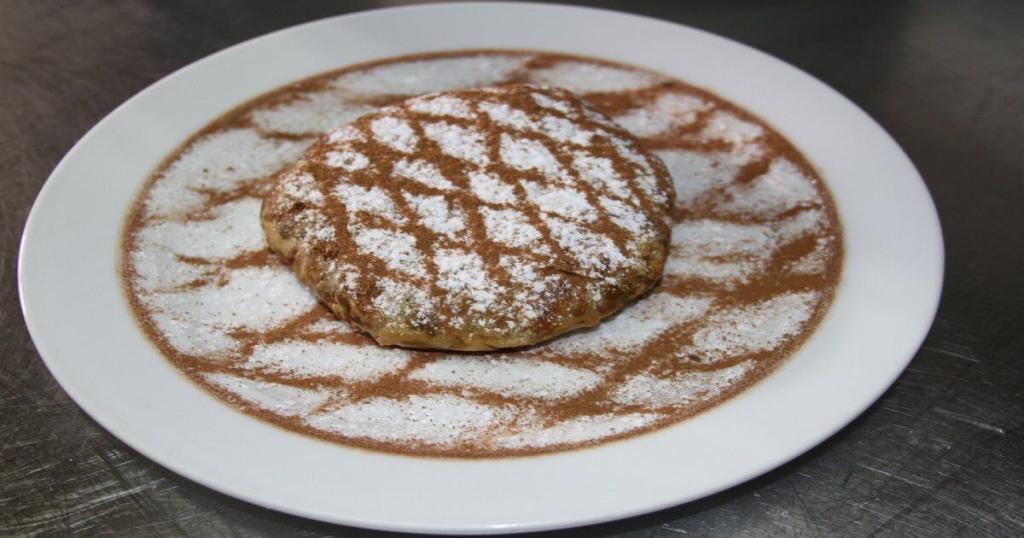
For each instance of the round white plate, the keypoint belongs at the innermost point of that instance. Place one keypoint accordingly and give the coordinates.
(84, 330)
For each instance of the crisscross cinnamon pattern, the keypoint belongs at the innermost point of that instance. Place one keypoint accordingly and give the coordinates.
(476, 219)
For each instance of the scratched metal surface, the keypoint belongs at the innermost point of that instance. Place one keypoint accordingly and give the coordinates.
(942, 453)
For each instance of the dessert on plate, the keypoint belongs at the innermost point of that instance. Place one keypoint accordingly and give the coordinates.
(753, 258)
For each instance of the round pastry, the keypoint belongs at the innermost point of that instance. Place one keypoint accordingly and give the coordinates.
(474, 220)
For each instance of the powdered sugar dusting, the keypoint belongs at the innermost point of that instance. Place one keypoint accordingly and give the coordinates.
(400, 299)
(274, 397)
(436, 75)
(373, 200)
(347, 159)
(433, 419)
(462, 274)
(196, 320)
(668, 111)
(442, 105)
(311, 114)
(557, 105)
(508, 376)
(423, 172)
(578, 430)
(460, 142)
(719, 251)
(490, 188)
(599, 172)
(396, 249)
(632, 327)
(568, 203)
(231, 230)
(595, 253)
(585, 77)
(751, 328)
(512, 228)
(436, 214)
(303, 359)
(220, 162)
(395, 133)
(685, 389)
(783, 187)
(527, 154)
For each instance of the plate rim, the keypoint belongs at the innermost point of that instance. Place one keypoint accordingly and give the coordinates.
(53, 365)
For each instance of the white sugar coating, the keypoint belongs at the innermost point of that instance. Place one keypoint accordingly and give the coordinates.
(302, 187)
(632, 327)
(568, 203)
(599, 172)
(395, 248)
(512, 228)
(302, 359)
(434, 419)
(312, 113)
(463, 143)
(685, 389)
(668, 111)
(695, 174)
(525, 154)
(781, 188)
(195, 320)
(435, 213)
(490, 188)
(193, 338)
(728, 128)
(534, 285)
(503, 114)
(394, 133)
(645, 179)
(159, 269)
(442, 105)
(627, 150)
(219, 162)
(594, 252)
(585, 77)
(435, 75)
(462, 274)
(526, 272)
(804, 223)
(316, 226)
(577, 430)
(396, 299)
(279, 399)
(330, 325)
(557, 105)
(423, 172)
(814, 261)
(507, 376)
(626, 216)
(374, 200)
(231, 230)
(563, 130)
(347, 159)
(748, 329)
(345, 274)
(699, 246)
(345, 133)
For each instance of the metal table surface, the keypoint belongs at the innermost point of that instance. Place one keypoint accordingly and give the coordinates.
(942, 453)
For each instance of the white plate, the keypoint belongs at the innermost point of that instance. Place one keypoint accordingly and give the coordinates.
(83, 328)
